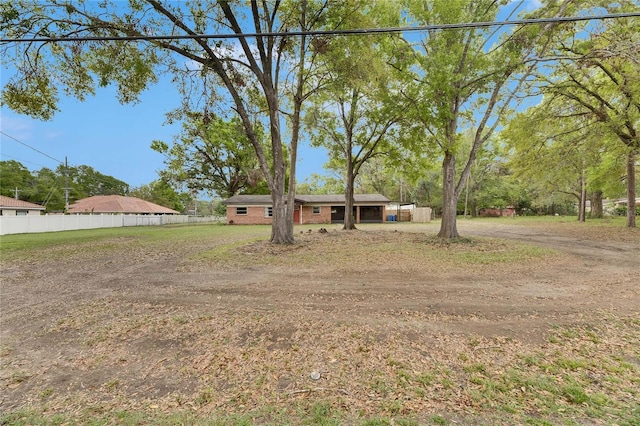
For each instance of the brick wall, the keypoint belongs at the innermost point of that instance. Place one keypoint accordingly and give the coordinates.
(254, 216)
(308, 216)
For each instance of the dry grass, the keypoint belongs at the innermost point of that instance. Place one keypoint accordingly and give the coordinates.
(258, 363)
(229, 331)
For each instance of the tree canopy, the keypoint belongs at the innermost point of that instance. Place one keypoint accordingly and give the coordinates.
(436, 97)
(47, 187)
(212, 155)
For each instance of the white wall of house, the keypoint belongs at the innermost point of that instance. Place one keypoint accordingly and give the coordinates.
(14, 211)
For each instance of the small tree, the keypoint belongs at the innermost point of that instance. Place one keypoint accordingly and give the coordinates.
(354, 129)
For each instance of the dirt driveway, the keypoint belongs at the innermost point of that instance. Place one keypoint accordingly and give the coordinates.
(160, 328)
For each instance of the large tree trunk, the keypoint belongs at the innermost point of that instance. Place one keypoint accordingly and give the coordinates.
(349, 220)
(448, 225)
(631, 190)
(281, 227)
(596, 205)
(282, 221)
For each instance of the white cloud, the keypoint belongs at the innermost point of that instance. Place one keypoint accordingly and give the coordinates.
(16, 126)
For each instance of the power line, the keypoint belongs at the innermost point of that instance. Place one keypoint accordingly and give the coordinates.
(360, 31)
(30, 147)
(21, 160)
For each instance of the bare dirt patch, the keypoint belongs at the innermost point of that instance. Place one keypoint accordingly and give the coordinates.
(382, 320)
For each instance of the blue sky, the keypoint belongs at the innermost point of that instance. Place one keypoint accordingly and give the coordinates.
(112, 138)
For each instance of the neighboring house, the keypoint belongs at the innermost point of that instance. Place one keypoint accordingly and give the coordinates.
(117, 204)
(12, 207)
(257, 209)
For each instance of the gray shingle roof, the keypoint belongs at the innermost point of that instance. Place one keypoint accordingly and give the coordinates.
(339, 199)
(249, 199)
(307, 199)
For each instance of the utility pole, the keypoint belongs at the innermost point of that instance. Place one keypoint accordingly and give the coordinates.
(66, 185)
(17, 190)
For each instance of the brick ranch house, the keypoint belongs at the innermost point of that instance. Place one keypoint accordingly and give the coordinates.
(309, 209)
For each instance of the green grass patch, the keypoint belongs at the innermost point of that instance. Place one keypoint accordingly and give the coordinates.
(53, 245)
(241, 246)
(609, 221)
(316, 414)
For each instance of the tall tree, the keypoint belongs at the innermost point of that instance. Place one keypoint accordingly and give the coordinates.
(354, 116)
(466, 78)
(47, 187)
(577, 154)
(597, 70)
(84, 181)
(265, 72)
(48, 190)
(490, 183)
(380, 175)
(15, 179)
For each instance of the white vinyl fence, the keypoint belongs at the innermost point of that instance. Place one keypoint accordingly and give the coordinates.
(52, 223)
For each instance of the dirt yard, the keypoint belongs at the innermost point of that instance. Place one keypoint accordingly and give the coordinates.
(382, 321)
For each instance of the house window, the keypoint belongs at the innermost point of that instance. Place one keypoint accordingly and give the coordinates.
(22, 213)
(268, 212)
(241, 211)
(316, 210)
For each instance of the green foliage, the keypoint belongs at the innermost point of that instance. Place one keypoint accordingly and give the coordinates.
(219, 209)
(212, 155)
(581, 131)
(262, 80)
(355, 117)
(461, 80)
(77, 68)
(87, 182)
(163, 194)
(316, 184)
(13, 175)
(34, 97)
(47, 187)
(622, 210)
(415, 103)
